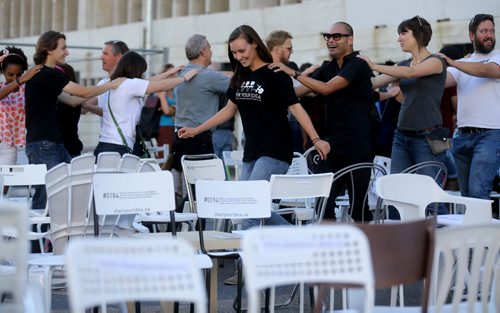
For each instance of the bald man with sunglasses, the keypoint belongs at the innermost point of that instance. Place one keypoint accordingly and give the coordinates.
(345, 83)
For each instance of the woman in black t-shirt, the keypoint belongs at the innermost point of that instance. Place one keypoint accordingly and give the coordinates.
(263, 99)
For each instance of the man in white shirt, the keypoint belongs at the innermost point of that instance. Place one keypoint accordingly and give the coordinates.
(477, 147)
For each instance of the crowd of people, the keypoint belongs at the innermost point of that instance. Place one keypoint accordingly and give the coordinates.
(343, 104)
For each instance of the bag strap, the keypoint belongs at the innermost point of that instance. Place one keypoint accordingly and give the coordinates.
(116, 123)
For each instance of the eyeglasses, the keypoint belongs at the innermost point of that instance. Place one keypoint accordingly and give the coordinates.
(478, 18)
(335, 36)
(290, 48)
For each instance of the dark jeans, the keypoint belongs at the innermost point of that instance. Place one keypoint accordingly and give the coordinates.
(49, 153)
(200, 144)
(109, 147)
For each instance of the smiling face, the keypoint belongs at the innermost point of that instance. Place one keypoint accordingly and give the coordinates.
(484, 39)
(109, 59)
(244, 52)
(12, 71)
(59, 54)
(338, 49)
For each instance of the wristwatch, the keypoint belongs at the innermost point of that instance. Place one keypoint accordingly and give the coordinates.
(297, 74)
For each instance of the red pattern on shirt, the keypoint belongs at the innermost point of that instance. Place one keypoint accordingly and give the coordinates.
(12, 118)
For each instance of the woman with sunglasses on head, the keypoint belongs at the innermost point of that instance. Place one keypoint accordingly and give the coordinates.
(263, 99)
(14, 67)
(422, 80)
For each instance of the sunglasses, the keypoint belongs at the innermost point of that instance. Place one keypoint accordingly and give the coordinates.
(335, 36)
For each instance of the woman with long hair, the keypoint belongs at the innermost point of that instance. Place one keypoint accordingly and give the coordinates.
(13, 63)
(122, 112)
(422, 80)
(263, 99)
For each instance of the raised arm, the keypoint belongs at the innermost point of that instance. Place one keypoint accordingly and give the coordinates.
(70, 100)
(427, 67)
(165, 108)
(10, 87)
(88, 92)
(486, 70)
(220, 117)
(169, 83)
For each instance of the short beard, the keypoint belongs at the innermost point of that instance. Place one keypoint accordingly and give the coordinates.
(480, 48)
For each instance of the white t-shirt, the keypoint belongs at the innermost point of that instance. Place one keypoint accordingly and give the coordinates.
(102, 99)
(126, 102)
(478, 98)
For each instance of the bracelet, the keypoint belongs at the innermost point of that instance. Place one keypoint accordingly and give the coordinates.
(18, 82)
(315, 140)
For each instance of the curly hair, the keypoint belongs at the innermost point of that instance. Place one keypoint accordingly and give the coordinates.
(14, 56)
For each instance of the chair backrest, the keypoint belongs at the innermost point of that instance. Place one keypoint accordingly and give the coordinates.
(306, 187)
(133, 193)
(108, 162)
(312, 159)
(149, 167)
(298, 165)
(129, 163)
(160, 153)
(233, 199)
(466, 260)
(349, 175)
(233, 159)
(385, 162)
(58, 187)
(203, 166)
(275, 256)
(412, 193)
(23, 175)
(13, 255)
(395, 262)
(117, 270)
(434, 169)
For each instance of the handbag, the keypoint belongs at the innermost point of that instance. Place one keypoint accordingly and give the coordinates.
(142, 154)
(438, 140)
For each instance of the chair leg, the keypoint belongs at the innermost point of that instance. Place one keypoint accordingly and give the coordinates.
(237, 300)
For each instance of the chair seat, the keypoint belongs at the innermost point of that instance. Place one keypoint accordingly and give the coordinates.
(302, 214)
(462, 308)
(46, 259)
(455, 219)
(203, 261)
(40, 220)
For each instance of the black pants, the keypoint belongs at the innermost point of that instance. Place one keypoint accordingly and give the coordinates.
(200, 144)
(357, 185)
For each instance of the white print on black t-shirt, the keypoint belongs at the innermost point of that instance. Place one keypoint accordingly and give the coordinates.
(249, 91)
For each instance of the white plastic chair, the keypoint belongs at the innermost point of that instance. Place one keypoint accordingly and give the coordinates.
(129, 163)
(162, 217)
(467, 259)
(227, 200)
(302, 187)
(116, 270)
(13, 255)
(108, 162)
(275, 256)
(412, 193)
(233, 159)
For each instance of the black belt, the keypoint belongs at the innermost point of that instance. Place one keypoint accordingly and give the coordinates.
(471, 130)
(416, 133)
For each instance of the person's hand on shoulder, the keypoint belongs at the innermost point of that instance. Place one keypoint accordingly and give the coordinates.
(367, 60)
(115, 83)
(190, 74)
(280, 67)
(30, 73)
(173, 71)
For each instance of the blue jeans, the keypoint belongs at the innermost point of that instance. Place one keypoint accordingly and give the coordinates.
(477, 156)
(262, 169)
(49, 153)
(222, 139)
(411, 150)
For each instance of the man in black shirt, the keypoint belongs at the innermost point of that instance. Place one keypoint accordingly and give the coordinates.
(345, 83)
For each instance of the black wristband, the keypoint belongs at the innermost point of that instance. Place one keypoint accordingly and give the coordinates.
(296, 75)
(18, 82)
